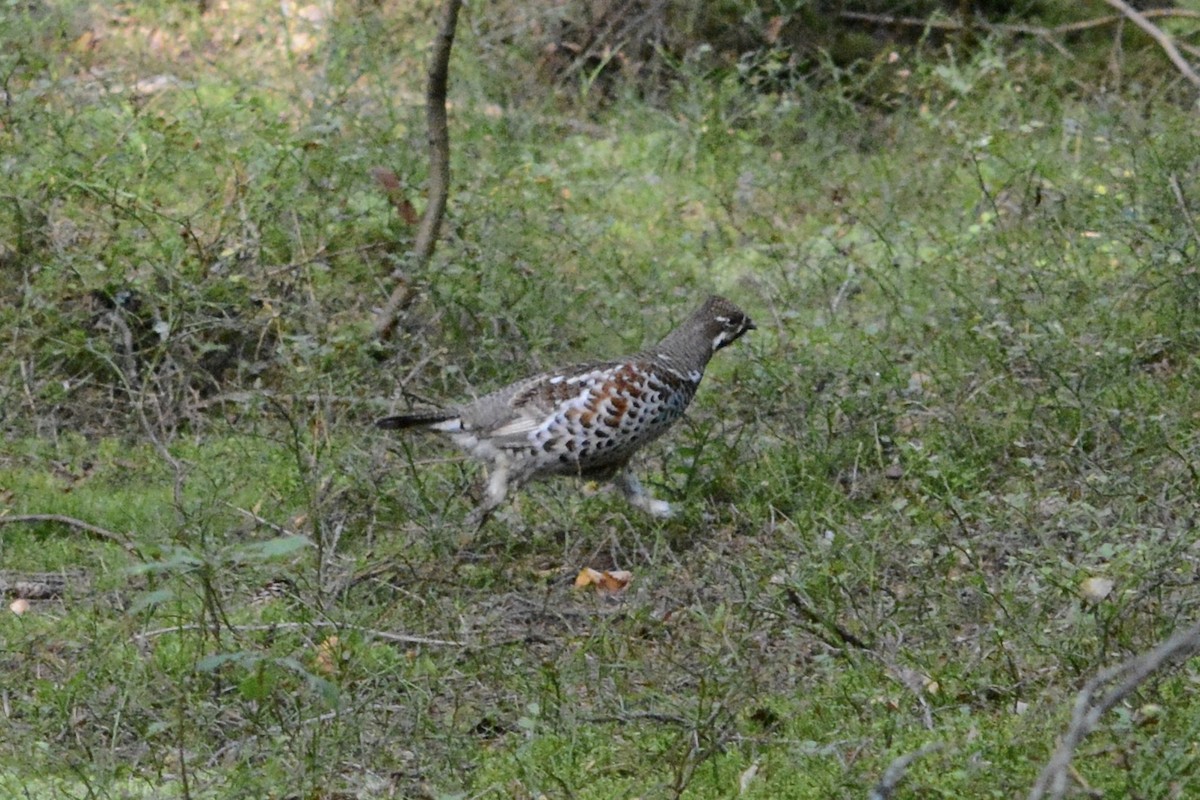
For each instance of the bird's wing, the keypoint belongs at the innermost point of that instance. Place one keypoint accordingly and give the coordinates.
(518, 427)
(508, 416)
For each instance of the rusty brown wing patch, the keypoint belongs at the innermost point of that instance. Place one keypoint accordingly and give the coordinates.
(554, 389)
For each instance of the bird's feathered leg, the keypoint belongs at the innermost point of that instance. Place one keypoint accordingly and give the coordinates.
(494, 495)
(638, 497)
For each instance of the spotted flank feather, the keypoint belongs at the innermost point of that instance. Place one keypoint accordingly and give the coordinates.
(589, 419)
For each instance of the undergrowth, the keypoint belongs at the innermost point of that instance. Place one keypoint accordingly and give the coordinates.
(968, 407)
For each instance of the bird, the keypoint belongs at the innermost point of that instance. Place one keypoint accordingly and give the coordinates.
(585, 420)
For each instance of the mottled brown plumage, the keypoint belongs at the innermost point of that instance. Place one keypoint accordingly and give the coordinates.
(588, 419)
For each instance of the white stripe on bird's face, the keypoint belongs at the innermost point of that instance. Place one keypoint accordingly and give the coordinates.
(721, 339)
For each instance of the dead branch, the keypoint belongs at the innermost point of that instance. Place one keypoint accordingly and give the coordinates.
(279, 529)
(386, 636)
(93, 530)
(1155, 33)
(906, 22)
(632, 716)
(945, 24)
(1050, 35)
(261, 395)
(1182, 202)
(39, 585)
(1099, 22)
(809, 613)
(895, 772)
(1091, 705)
(439, 166)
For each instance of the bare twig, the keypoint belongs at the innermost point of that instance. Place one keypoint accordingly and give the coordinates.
(945, 24)
(1091, 705)
(895, 772)
(387, 636)
(810, 614)
(439, 165)
(39, 585)
(631, 716)
(1155, 33)
(138, 390)
(279, 529)
(439, 132)
(1099, 22)
(1181, 201)
(178, 468)
(1050, 35)
(932, 23)
(323, 255)
(78, 524)
(126, 352)
(257, 395)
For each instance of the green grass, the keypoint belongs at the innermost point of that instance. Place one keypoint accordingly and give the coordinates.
(973, 387)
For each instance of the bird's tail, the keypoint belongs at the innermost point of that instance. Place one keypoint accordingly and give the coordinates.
(421, 419)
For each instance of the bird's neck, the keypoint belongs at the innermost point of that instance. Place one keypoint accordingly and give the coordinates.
(685, 350)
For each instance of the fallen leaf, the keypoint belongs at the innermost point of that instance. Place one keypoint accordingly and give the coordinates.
(606, 582)
(385, 178)
(86, 42)
(328, 655)
(390, 184)
(587, 576)
(407, 212)
(617, 579)
(1095, 589)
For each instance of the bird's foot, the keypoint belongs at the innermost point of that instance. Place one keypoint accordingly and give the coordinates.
(658, 508)
(638, 497)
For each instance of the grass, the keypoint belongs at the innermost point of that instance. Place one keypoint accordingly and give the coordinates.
(972, 389)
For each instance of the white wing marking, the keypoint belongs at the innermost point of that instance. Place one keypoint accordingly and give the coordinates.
(591, 376)
(516, 427)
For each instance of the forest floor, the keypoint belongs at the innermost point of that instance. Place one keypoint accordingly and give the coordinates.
(951, 477)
